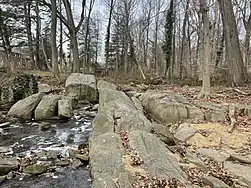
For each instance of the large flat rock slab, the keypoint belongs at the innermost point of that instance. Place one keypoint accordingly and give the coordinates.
(158, 160)
(106, 161)
(168, 108)
(217, 156)
(117, 112)
(241, 171)
(82, 87)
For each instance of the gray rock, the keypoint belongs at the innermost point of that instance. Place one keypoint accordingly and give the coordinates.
(47, 107)
(168, 107)
(215, 112)
(217, 156)
(35, 169)
(103, 123)
(76, 163)
(164, 133)
(44, 88)
(240, 158)
(106, 154)
(216, 116)
(242, 172)
(24, 108)
(7, 165)
(185, 133)
(158, 160)
(117, 112)
(81, 86)
(65, 108)
(214, 182)
(192, 158)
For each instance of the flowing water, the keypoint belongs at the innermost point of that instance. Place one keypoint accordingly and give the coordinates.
(30, 139)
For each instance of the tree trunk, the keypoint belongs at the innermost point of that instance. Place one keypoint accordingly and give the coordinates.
(183, 43)
(205, 90)
(108, 33)
(54, 53)
(38, 31)
(76, 61)
(27, 11)
(237, 72)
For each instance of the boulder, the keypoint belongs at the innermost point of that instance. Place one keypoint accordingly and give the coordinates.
(107, 167)
(65, 108)
(7, 165)
(35, 169)
(117, 112)
(217, 156)
(24, 108)
(241, 171)
(164, 134)
(214, 112)
(192, 158)
(44, 88)
(167, 107)
(82, 87)
(17, 88)
(157, 159)
(47, 107)
(185, 133)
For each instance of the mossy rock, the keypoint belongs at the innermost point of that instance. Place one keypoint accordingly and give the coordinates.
(18, 88)
(35, 169)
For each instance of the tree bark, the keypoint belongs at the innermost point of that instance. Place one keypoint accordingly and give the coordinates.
(108, 33)
(54, 53)
(27, 11)
(205, 90)
(237, 72)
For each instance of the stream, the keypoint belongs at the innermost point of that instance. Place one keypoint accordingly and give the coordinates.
(54, 139)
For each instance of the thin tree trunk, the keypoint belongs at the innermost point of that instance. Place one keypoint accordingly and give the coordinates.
(27, 10)
(54, 53)
(108, 33)
(38, 31)
(205, 90)
(183, 39)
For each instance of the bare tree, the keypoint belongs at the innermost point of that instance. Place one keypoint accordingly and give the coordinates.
(237, 72)
(54, 52)
(205, 90)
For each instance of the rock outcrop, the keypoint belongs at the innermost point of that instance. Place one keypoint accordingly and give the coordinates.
(82, 87)
(110, 157)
